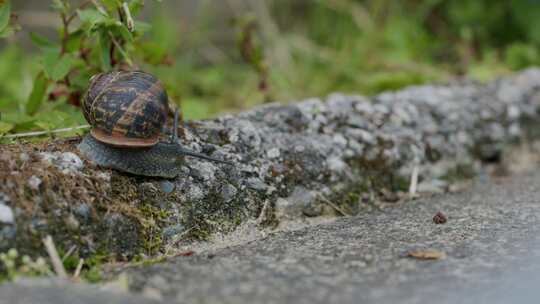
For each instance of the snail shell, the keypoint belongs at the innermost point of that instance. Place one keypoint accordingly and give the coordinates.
(126, 109)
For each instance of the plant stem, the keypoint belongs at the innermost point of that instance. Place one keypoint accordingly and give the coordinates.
(39, 133)
(129, 19)
(120, 49)
(65, 37)
(65, 33)
(74, 14)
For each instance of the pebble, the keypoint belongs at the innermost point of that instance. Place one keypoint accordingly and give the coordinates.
(166, 186)
(69, 160)
(8, 232)
(340, 140)
(203, 170)
(71, 222)
(66, 161)
(4, 199)
(6, 215)
(106, 176)
(335, 164)
(301, 201)
(82, 211)
(273, 153)
(228, 192)
(439, 218)
(194, 193)
(171, 231)
(256, 183)
(34, 182)
(24, 157)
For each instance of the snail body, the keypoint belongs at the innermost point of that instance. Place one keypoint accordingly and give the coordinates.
(127, 112)
(160, 160)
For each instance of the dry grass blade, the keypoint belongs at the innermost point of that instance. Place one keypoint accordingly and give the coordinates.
(414, 181)
(262, 216)
(336, 207)
(69, 252)
(39, 133)
(428, 254)
(77, 272)
(55, 258)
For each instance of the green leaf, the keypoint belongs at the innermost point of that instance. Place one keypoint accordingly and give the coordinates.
(104, 46)
(73, 42)
(41, 41)
(520, 55)
(79, 81)
(142, 27)
(8, 31)
(119, 29)
(45, 125)
(111, 5)
(20, 120)
(5, 127)
(91, 17)
(60, 6)
(49, 60)
(5, 13)
(57, 67)
(195, 108)
(135, 7)
(38, 94)
(63, 67)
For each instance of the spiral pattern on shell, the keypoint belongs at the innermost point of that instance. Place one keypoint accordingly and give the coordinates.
(126, 109)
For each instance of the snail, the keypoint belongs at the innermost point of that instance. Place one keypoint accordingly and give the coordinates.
(127, 112)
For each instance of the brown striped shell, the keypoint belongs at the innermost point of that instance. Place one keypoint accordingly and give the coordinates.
(126, 109)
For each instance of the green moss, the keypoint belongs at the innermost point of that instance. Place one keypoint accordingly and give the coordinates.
(152, 220)
(153, 244)
(93, 275)
(152, 261)
(93, 265)
(459, 173)
(202, 218)
(200, 232)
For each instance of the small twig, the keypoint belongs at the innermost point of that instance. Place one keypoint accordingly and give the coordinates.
(120, 49)
(39, 133)
(55, 258)
(77, 272)
(65, 34)
(336, 207)
(129, 19)
(179, 237)
(174, 242)
(73, 15)
(262, 215)
(414, 181)
(99, 7)
(69, 252)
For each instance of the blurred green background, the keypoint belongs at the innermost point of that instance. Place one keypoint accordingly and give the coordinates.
(310, 47)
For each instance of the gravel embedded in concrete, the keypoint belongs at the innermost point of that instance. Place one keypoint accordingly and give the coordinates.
(489, 244)
(491, 234)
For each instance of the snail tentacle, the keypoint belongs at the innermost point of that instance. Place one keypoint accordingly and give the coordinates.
(183, 151)
(186, 152)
